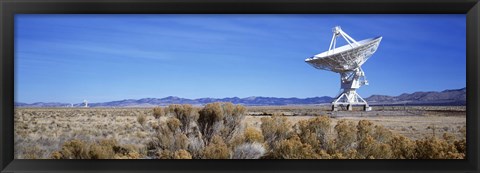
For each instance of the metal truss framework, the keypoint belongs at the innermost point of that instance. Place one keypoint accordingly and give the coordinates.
(347, 61)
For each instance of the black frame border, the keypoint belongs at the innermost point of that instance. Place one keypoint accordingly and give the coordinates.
(8, 9)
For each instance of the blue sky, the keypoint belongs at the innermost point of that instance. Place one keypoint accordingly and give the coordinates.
(68, 58)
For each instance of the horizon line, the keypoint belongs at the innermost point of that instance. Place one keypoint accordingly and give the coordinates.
(227, 97)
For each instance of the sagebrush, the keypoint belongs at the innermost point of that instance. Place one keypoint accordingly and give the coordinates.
(217, 131)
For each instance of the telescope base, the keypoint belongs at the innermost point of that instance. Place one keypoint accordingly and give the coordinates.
(338, 107)
(348, 99)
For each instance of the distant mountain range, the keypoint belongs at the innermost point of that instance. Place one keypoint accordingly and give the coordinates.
(447, 97)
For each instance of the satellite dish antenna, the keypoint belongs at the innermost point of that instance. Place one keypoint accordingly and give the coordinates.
(347, 61)
(85, 103)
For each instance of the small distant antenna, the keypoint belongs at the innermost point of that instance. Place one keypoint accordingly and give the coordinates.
(85, 103)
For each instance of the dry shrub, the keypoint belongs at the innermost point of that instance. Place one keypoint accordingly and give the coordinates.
(275, 128)
(126, 152)
(217, 149)
(216, 132)
(232, 120)
(155, 125)
(402, 147)
(450, 138)
(434, 148)
(382, 134)
(168, 138)
(461, 146)
(293, 148)
(314, 131)
(221, 119)
(196, 146)
(108, 142)
(383, 151)
(348, 154)
(173, 125)
(346, 135)
(320, 125)
(141, 119)
(103, 149)
(158, 112)
(186, 114)
(74, 149)
(249, 151)
(364, 129)
(369, 148)
(164, 154)
(56, 155)
(32, 152)
(463, 131)
(182, 154)
(253, 135)
(101, 152)
(322, 154)
(209, 120)
(130, 155)
(192, 130)
(311, 139)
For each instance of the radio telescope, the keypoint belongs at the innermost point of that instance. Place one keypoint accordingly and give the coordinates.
(347, 61)
(85, 103)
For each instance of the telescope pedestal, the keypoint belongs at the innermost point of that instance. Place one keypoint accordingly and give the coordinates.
(350, 82)
(335, 107)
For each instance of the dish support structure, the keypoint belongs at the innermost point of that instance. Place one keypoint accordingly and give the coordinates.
(350, 80)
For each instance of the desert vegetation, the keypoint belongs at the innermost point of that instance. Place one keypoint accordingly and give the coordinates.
(220, 131)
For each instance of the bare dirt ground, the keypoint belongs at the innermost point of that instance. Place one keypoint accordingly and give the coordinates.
(46, 129)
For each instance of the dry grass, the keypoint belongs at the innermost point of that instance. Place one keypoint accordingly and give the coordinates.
(223, 130)
(414, 127)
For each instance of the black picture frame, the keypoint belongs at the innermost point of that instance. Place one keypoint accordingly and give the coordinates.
(9, 8)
